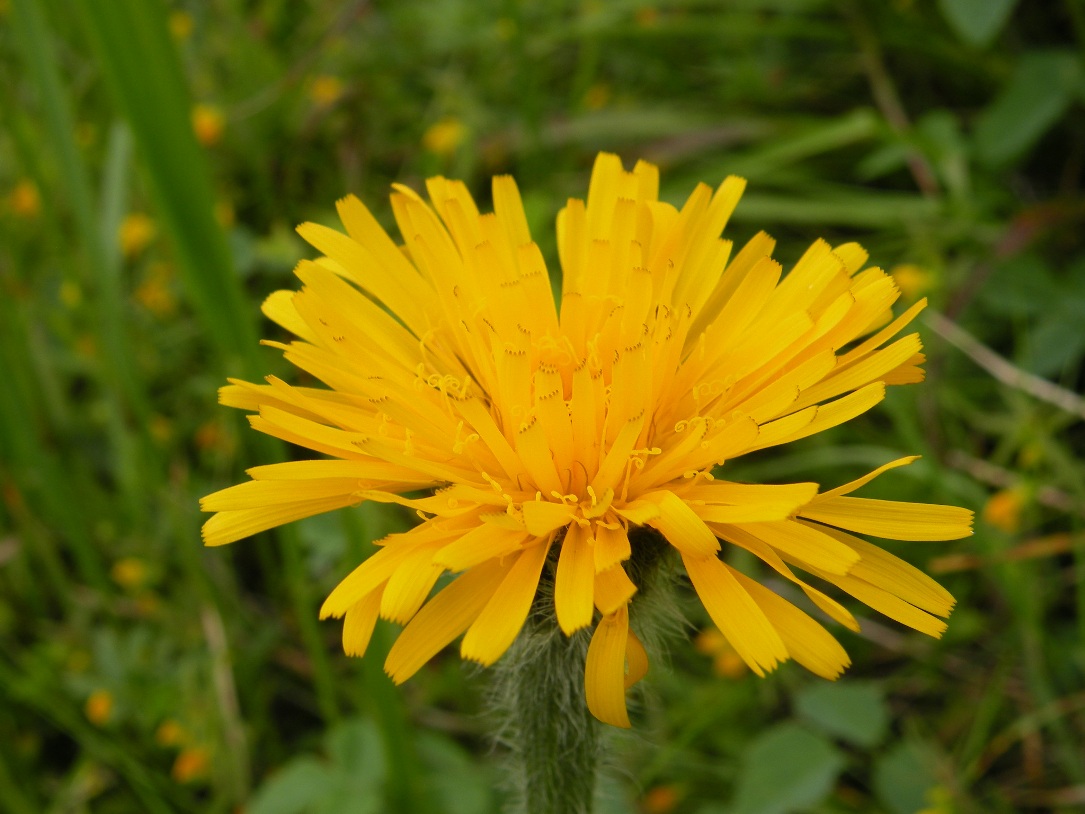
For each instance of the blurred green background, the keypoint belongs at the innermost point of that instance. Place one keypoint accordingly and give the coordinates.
(154, 159)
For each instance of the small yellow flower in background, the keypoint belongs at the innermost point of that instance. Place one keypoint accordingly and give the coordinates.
(191, 764)
(325, 90)
(136, 232)
(224, 213)
(569, 442)
(940, 800)
(170, 733)
(161, 428)
(726, 661)
(660, 800)
(99, 707)
(597, 96)
(208, 124)
(86, 346)
(147, 604)
(70, 293)
(130, 573)
(913, 281)
(210, 435)
(1003, 509)
(180, 25)
(155, 292)
(647, 16)
(505, 28)
(445, 136)
(24, 200)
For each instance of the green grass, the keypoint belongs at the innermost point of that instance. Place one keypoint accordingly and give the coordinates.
(944, 134)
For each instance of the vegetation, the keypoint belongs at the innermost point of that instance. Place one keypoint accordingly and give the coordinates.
(154, 159)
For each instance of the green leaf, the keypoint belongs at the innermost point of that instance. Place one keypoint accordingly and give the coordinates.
(853, 711)
(977, 22)
(355, 748)
(904, 775)
(139, 62)
(352, 779)
(1036, 97)
(787, 768)
(293, 789)
(1056, 342)
(1021, 286)
(456, 784)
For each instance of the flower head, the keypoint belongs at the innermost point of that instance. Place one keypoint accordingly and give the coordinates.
(554, 434)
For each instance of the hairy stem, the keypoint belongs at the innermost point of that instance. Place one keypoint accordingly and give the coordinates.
(543, 720)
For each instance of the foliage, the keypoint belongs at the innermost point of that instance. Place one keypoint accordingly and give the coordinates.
(139, 672)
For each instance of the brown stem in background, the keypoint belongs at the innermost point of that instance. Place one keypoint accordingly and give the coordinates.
(886, 98)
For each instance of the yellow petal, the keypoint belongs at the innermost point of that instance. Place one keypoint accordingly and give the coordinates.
(306, 470)
(735, 613)
(604, 670)
(228, 526)
(500, 621)
(359, 623)
(532, 448)
(833, 609)
(681, 525)
(611, 546)
(806, 641)
(874, 367)
(409, 585)
(824, 417)
(443, 618)
(574, 581)
(639, 512)
(613, 589)
(886, 603)
(478, 545)
(279, 308)
(806, 544)
(893, 520)
(543, 516)
(258, 494)
(510, 210)
(380, 567)
(749, 513)
(879, 567)
(614, 464)
(863, 481)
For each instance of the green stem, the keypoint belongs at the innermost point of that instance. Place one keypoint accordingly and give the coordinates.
(542, 717)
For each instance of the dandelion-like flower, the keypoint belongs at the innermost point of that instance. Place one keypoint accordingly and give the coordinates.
(551, 434)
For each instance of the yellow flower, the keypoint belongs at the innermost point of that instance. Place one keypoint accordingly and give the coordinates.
(567, 443)
(912, 280)
(170, 733)
(597, 96)
(444, 137)
(180, 23)
(129, 573)
(661, 800)
(725, 659)
(1003, 509)
(135, 233)
(99, 707)
(24, 200)
(155, 292)
(192, 764)
(208, 124)
(326, 90)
